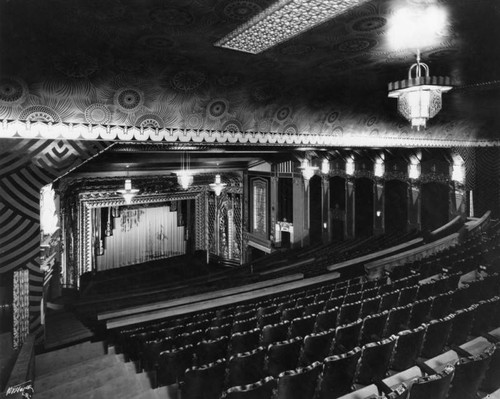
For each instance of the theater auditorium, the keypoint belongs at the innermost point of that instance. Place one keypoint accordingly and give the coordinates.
(242, 199)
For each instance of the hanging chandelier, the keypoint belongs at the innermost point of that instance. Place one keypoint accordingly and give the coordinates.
(419, 96)
(217, 186)
(128, 192)
(185, 176)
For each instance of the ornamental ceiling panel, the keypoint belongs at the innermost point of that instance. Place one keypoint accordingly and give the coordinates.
(152, 63)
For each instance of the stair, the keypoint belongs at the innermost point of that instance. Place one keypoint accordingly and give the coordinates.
(86, 371)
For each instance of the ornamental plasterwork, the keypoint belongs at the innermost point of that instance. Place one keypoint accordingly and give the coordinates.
(48, 130)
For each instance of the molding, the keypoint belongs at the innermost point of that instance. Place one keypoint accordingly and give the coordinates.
(69, 131)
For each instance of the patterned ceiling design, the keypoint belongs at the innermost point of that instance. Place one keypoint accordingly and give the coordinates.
(153, 64)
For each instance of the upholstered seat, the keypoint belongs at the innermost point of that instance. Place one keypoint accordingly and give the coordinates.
(338, 373)
(373, 327)
(408, 347)
(440, 305)
(290, 314)
(462, 325)
(436, 336)
(397, 320)
(408, 295)
(173, 363)
(300, 383)
(326, 320)
(244, 325)
(244, 341)
(316, 347)
(374, 361)
(245, 368)
(208, 351)
(270, 318)
(274, 333)
(389, 300)
(348, 313)
(282, 356)
(346, 337)
(218, 331)
(369, 306)
(151, 352)
(301, 326)
(420, 311)
(206, 381)
(333, 303)
(313, 308)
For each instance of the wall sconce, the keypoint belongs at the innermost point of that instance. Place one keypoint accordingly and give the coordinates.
(217, 186)
(379, 168)
(349, 167)
(379, 213)
(325, 166)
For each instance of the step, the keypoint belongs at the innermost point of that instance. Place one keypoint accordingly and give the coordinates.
(62, 358)
(124, 387)
(158, 393)
(66, 385)
(77, 370)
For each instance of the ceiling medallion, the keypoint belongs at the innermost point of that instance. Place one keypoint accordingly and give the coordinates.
(419, 96)
(282, 21)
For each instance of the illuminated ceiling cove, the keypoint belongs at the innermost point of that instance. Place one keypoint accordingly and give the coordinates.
(149, 70)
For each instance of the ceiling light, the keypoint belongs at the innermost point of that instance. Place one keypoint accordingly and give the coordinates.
(217, 186)
(128, 192)
(282, 21)
(419, 96)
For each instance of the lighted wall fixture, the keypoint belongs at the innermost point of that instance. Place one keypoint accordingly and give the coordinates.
(128, 192)
(349, 167)
(185, 176)
(282, 21)
(379, 168)
(458, 169)
(308, 171)
(414, 168)
(419, 96)
(217, 186)
(325, 166)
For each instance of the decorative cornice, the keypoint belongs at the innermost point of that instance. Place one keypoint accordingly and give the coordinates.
(48, 130)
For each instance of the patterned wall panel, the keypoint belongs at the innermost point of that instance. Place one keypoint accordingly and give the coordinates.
(487, 187)
(25, 167)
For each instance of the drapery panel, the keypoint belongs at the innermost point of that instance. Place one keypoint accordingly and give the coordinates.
(140, 235)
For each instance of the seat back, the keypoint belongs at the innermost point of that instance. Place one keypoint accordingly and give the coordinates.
(338, 373)
(407, 295)
(274, 333)
(389, 301)
(435, 386)
(374, 361)
(370, 306)
(469, 373)
(333, 303)
(485, 315)
(244, 341)
(208, 351)
(263, 389)
(316, 347)
(420, 311)
(408, 348)
(373, 327)
(326, 320)
(206, 381)
(313, 308)
(346, 337)
(270, 318)
(436, 336)
(462, 325)
(282, 356)
(245, 368)
(151, 352)
(397, 320)
(441, 305)
(300, 383)
(301, 326)
(218, 331)
(244, 325)
(348, 313)
(491, 380)
(172, 364)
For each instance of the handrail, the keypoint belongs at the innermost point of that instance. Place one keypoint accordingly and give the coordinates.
(443, 230)
(24, 367)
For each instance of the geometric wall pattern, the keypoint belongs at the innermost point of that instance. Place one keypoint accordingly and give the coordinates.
(25, 167)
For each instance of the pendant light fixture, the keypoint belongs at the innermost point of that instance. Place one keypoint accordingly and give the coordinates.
(128, 192)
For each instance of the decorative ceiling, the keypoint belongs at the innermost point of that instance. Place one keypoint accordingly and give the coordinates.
(152, 63)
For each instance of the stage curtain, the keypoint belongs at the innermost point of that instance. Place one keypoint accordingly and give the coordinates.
(140, 235)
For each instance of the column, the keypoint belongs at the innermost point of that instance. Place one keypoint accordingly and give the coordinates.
(325, 209)
(414, 205)
(349, 225)
(273, 195)
(300, 209)
(378, 206)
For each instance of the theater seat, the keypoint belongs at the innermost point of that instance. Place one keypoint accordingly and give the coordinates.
(435, 386)
(407, 295)
(369, 306)
(208, 351)
(346, 337)
(436, 336)
(270, 318)
(338, 373)
(348, 313)
(274, 333)
(388, 301)
(263, 389)
(374, 361)
(462, 325)
(326, 320)
(218, 331)
(244, 341)
(283, 356)
(420, 311)
(397, 320)
(300, 383)
(440, 305)
(316, 347)
(206, 381)
(173, 363)
(245, 368)
(373, 327)
(407, 348)
(469, 373)
(301, 326)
